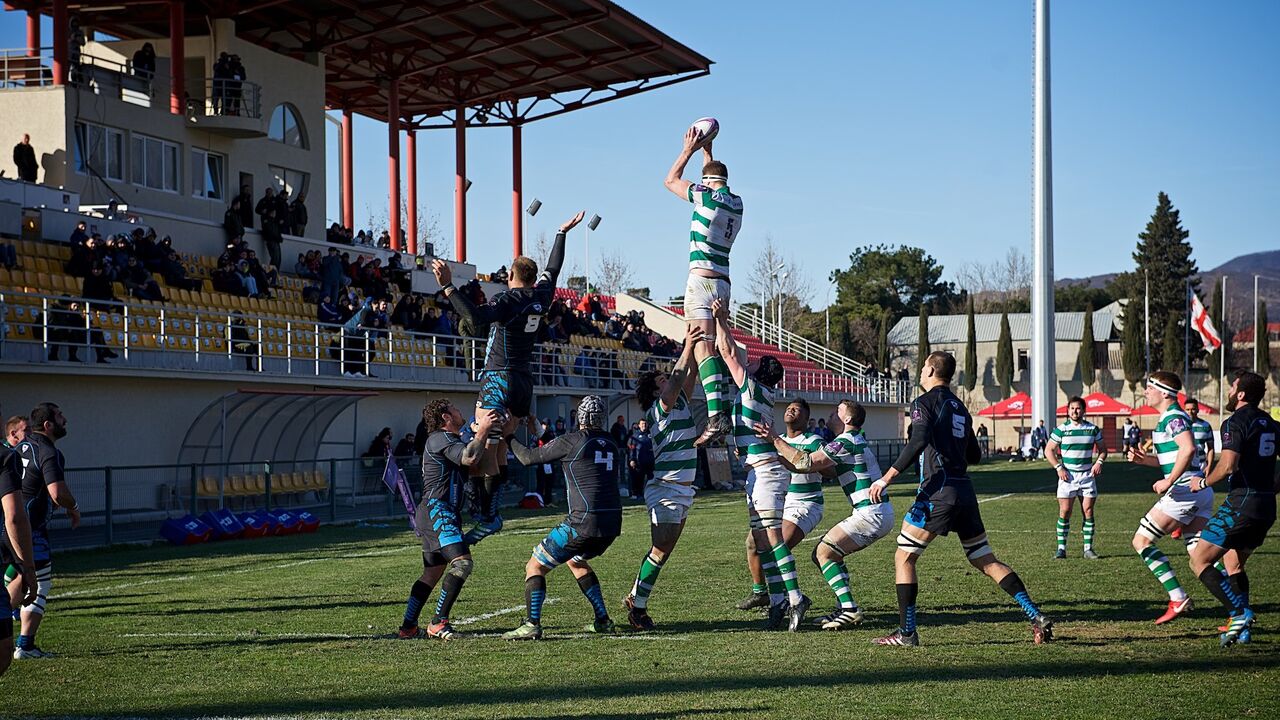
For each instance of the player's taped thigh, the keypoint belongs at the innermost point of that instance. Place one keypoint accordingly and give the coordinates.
(977, 548)
(1149, 529)
(44, 584)
(911, 545)
(460, 567)
(769, 519)
(838, 553)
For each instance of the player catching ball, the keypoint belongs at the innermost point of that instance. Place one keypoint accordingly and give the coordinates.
(717, 219)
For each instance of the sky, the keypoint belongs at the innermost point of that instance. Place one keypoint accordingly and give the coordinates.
(854, 123)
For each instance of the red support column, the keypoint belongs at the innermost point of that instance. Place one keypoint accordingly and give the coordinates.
(411, 171)
(393, 161)
(460, 187)
(348, 199)
(517, 191)
(33, 33)
(60, 32)
(177, 57)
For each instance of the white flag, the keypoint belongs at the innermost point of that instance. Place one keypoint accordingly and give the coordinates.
(1203, 325)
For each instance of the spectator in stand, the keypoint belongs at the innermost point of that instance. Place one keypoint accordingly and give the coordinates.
(69, 326)
(236, 85)
(407, 313)
(380, 445)
(97, 286)
(376, 321)
(221, 80)
(8, 256)
(266, 202)
(175, 274)
(640, 461)
(327, 311)
(614, 327)
(246, 207)
(282, 209)
(823, 431)
(298, 215)
(398, 274)
(144, 61)
(384, 240)
(331, 274)
(265, 275)
(139, 283)
(500, 276)
(242, 343)
(79, 236)
(24, 157)
(404, 448)
(15, 431)
(247, 280)
(226, 280)
(233, 220)
(302, 269)
(271, 237)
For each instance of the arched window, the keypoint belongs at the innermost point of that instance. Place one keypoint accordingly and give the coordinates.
(286, 126)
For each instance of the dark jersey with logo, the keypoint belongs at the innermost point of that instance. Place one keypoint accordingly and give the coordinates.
(590, 460)
(942, 440)
(42, 466)
(442, 469)
(513, 317)
(1253, 435)
(10, 483)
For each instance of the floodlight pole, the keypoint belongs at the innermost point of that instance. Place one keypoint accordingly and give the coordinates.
(1043, 376)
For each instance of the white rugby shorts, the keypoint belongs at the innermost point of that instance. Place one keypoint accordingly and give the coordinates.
(868, 524)
(804, 514)
(767, 485)
(1184, 506)
(699, 292)
(668, 502)
(1078, 484)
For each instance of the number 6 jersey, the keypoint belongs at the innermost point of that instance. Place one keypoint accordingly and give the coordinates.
(590, 460)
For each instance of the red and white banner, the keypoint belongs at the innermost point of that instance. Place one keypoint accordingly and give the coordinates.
(1203, 325)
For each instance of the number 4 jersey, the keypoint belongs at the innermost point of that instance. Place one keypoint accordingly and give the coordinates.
(590, 460)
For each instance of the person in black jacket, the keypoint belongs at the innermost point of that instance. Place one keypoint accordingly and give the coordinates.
(298, 215)
(24, 157)
(97, 286)
(246, 206)
(233, 220)
(942, 437)
(591, 461)
(271, 236)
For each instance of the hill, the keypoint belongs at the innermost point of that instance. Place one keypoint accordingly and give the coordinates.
(1238, 270)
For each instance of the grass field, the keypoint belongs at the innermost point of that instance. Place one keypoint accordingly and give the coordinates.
(301, 627)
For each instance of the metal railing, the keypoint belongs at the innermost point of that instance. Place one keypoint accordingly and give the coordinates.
(754, 322)
(20, 68)
(228, 98)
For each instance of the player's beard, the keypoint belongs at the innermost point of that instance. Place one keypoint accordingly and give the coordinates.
(1231, 403)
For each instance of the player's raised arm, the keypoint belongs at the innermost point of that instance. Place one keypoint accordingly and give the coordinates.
(735, 360)
(682, 373)
(557, 449)
(479, 317)
(675, 181)
(555, 261)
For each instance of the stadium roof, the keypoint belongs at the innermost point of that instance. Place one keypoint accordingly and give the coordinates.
(954, 329)
(507, 61)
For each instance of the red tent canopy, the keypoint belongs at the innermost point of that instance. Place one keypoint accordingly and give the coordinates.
(1100, 404)
(1205, 408)
(1014, 407)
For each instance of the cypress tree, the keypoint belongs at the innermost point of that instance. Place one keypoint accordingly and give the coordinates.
(882, 340)
(1261, 348)
(922, 342)
(1004, 356)
(1085, 357)
(971, 352)
(1172, 344)
(1132, 352)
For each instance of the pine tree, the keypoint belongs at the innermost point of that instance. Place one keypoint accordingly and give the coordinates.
(1132, 352)
(1085, 357)
(1004, 356)
(971, 352)
(1261, 345)
(1163, 256)
(1173, 344)
(922, 342)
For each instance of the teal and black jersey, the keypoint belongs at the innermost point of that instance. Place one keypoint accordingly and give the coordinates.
(590, 460)
(942, 440)
(1252, 434)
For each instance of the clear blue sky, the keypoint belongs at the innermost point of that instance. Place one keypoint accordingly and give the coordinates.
(853, 123)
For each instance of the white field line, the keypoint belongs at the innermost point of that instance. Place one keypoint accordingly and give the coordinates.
(499, 613)
(1001, 497)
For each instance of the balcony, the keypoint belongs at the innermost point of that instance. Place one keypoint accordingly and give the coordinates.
(231, 108)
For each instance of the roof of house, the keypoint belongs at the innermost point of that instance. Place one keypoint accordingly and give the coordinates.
(953, 329)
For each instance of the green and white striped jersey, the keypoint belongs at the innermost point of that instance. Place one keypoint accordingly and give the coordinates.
(1202, 434)
(755, 405)
(675, 458)
(1076, 442)
(856, 466)
(1173, 423)
(717, 218)
(805, 487)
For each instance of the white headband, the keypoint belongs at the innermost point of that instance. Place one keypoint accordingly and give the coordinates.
(1168, 391)
(714, 178)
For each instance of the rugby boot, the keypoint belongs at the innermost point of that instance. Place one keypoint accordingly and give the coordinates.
(602, 626)
(1176, 608)
(31, 653)
(1089, 554)
(1177, 533)
(756, 600)
(1237, 629)
(842, 620)
(777, 616)
(410, 633)
(442, 630)
(1061, 554)
(718, 426)
(899, 638)
(526, 631)
(1041, 630)
(638, 617)
(796, 613)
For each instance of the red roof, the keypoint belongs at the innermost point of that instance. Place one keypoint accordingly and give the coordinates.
(1205, 408)
(1100, 404)
(1014, 407)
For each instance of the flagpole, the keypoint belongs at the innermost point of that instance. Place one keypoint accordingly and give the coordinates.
(1222, 356)
(1256, 340)
(1146, 315)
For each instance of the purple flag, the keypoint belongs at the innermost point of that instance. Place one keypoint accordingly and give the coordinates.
(393, 477)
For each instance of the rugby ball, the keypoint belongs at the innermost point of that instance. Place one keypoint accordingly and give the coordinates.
(707, 128)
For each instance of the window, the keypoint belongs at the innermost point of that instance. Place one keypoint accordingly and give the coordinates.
(286, 126)
(1024, 361)
(99, 151)
(292, 180)
(208, 175)
(153, 163)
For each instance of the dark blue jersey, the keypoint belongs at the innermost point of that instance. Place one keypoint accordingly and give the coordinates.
(10, 483)
(1253, 435)
(942, 439)
(42, 465)
(590, 460)
(442, 469)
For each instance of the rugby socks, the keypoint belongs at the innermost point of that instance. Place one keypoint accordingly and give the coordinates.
(787, 570)
(1158, 563)
(1240, 583)
(590, 586)
(1221, 568)
(837, 576)
(1012, 584)
(418, 597)
(1221, 589)
(450, 586)
(1088, 533)
(772, 578)
(1063, 529)
(648, 575)
(535, 592)
(26, 642)
(712, 372)
(759, 588)
(907, 593)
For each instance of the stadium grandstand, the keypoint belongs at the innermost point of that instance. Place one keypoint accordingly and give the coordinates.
(147, 249)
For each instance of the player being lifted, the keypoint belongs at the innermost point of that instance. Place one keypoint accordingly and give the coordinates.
(717, 219)
(767, 478)
(856, 469)
(445, 553)
(801, 509)
(590, 460)
(1178, 506)
(506, 385)
(1070, 450)
(669, 493)
(942, 439)
(1248, 463)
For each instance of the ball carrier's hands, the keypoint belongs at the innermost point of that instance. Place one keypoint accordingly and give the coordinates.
(675, 181)
(572, 222)
(444, 275)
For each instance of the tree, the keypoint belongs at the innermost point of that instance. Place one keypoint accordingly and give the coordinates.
(971, 352)
(613, 274)
(1218, 316)
(897, 279)
(1163, 256)
(1261, 343)
(1004, 356)
(789, 286)
(1085, 358)
(430, 230)
(1132, 352)
(1001, 285)
(640, 292)
(922, 341)
(882, 341)
(1172, 344)
(1074, 298)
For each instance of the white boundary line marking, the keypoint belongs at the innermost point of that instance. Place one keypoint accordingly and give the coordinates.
(498, 613)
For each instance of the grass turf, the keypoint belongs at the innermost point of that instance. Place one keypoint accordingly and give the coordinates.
(301, 626)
